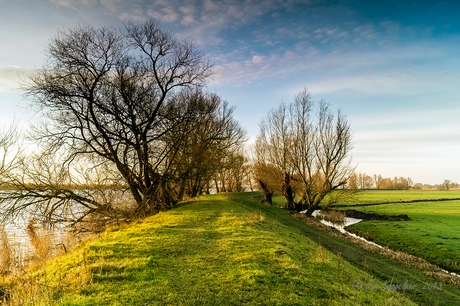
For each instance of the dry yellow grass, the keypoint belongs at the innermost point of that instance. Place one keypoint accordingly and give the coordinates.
(39, 240)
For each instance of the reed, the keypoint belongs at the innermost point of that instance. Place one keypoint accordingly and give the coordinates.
(39, 240)
(333, 216)
(6, 257)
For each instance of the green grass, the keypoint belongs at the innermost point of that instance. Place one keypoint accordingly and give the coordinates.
(216, 251)
(376, 264)
(433, 231)
(379, 196)
(387, 196)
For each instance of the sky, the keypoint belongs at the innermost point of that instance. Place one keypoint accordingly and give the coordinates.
(391, 66)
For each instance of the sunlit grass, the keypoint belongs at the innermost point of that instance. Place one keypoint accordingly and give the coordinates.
(387, 196)
(211, 252)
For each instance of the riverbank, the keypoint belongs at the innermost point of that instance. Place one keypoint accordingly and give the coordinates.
(213, 251)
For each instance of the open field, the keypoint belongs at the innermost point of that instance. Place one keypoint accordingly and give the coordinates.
(433, 231)
(386, 196)
(213, 251)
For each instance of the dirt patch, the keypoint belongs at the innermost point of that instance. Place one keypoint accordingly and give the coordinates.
(374, 216)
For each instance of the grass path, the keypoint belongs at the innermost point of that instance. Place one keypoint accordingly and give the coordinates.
(218, 251)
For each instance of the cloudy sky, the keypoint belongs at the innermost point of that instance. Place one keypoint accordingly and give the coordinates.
(391, 66)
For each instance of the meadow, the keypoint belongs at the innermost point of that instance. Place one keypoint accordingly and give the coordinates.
(370, 197)
(432, 231)
(389, 196)
(217, 250)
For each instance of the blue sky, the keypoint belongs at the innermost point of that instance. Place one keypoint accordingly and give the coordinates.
(391, 66)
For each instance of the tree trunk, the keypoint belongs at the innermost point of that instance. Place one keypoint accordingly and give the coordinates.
(180, 196)
(267, 194)
(288, 193)
(223, 189)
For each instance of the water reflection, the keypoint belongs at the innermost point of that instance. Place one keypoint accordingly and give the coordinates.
(58, 237)
(341, 224)
(28, 239)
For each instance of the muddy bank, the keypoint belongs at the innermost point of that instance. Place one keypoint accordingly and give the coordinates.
(351, 213)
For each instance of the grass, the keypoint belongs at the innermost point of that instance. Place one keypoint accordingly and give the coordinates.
(377, 196)
(216, 251)
(381, 265)
(433, 231)
(388, 196)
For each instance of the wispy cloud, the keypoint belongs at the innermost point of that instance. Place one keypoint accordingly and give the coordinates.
(11, 76)
(76, 3)
(112, 5)
(136, 15)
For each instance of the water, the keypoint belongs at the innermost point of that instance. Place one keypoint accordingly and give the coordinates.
(341, 227)
(57, 240)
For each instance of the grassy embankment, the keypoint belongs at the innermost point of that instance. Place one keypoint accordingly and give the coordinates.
(218, 251)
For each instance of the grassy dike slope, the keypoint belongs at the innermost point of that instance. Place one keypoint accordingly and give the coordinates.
(212, 251)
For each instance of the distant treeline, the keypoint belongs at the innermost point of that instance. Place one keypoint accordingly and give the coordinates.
(377, 181)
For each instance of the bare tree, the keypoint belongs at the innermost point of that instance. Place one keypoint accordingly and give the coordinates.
(275, 141)
(365, 181)
(109, 96)
(378, 180)
(321, 151)
(10, 148)
(268, 177)
(308, 149)
(446, 184)
(207, 147)
(352, 182)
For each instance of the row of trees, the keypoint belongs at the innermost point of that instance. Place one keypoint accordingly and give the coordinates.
(364, 181)
(445, 185)
(125, 119)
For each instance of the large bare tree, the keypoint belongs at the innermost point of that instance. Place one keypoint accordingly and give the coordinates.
(111, 99)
